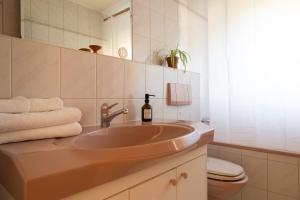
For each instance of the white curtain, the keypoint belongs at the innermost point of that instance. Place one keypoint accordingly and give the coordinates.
(254, 72)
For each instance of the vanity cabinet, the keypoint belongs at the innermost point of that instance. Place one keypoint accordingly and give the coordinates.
(162, 187)
(186, 182)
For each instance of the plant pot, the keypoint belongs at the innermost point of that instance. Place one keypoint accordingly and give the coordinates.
(95, 48)
(172, 62)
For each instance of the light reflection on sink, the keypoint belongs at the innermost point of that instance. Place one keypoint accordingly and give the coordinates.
(138, 141)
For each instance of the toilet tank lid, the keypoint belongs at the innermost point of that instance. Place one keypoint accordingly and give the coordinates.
(224, 168)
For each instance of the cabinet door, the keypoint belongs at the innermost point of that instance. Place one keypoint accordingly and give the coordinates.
(162, 187)
(121, 196)
(192, 180)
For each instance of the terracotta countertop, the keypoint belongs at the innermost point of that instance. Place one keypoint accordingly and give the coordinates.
(34, 169)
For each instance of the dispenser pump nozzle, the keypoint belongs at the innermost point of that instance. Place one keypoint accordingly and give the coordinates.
(147, 96)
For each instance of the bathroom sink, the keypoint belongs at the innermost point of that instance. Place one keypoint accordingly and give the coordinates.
(138, 141)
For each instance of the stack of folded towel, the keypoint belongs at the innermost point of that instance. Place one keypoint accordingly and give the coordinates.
(24, 119)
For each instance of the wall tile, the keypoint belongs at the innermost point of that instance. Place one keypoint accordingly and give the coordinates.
(56, 11)
(170, 76)
(35, 69)
(78, 74)
(87, 107)
(157, 108)
(184, 77)
(184, 113)
(237, 196)
(273, 196)
(40, 10)
(155, 80)
(110, 77)
(283, 178)
(157, 26)
(56, 36)
(285, 159)
(257, 171)
(5, 67)
(255, 154)
(39, 33)
(157, 5)
(83, 20)
(250, 193)
(213, 151)
(70, 40)
(27, 30)
(171, 9)
(155, 48)
(134, 80)
(195, 110)
(83, 41)
(171, 37)
(70, 16)
(231, 154)
(141, 48)
(134, 106)
(170, 112)
(118, 119)
(141, 19)
(142, 2)
(195, 82)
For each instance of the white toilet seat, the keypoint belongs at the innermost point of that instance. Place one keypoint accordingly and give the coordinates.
(222, 170)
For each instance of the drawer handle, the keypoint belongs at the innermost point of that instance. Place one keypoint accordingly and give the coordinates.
(184, 175)
(173, 182)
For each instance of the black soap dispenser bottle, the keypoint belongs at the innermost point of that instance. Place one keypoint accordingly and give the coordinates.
(147, 109)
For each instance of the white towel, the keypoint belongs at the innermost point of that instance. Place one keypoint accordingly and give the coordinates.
(14, 105)
(41, 133)
(44, 105)
(24, 121)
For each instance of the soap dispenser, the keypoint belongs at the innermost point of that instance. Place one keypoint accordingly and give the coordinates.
(147, 109)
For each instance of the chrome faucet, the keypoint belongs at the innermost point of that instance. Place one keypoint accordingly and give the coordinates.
(107, 117)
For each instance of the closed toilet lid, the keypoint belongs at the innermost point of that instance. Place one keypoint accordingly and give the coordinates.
(221, 168)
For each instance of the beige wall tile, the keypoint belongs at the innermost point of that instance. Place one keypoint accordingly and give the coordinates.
(87, 107)
(257, 171)
(118, 119)
(273, 196)
(70, 16)
(78, 74)
(5, 67)
(249, 193)
(143, 2)
(195, 110)
(157, 108)
(35, 69)
(40, 10)
(184, 113)
(155, 80)
(141, 48)
(110, 77)
(141, 19)
(283, 178)
(134, 80)
(171, 9)
(170, 112)
(56, 15)
(255, 154)
(285, 159)
(39, 32)
(157, 5)
(170, 76)
(184, 77)
(134, 109)
(231, 154)
(195, 82)
(156, 26)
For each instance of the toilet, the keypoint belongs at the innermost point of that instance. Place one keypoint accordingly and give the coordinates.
(225, 179)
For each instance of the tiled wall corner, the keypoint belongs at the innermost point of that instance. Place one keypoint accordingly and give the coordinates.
(271, 176)
(5, 67)
(35, 69)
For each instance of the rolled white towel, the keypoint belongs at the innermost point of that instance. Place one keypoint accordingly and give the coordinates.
(24, 121)
(44, 105)
(66, 130)
(14, 105)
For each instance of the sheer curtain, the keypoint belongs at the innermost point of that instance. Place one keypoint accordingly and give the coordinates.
(254, 72)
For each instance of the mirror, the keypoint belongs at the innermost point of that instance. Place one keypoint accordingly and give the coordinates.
(102, 26)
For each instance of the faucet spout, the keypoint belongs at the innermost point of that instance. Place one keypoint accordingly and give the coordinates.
(107, 117)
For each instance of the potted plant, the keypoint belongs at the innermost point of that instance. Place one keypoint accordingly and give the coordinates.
(174, 55)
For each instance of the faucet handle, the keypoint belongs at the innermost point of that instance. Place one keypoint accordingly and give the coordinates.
(111, 106)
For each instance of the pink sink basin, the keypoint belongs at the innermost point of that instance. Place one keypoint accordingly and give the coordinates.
(138, 141)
